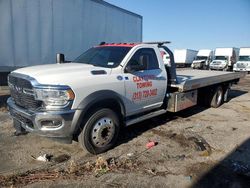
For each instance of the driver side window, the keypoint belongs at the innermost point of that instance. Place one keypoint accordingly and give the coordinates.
(143, 59)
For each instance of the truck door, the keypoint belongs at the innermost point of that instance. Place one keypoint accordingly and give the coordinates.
(145, 82)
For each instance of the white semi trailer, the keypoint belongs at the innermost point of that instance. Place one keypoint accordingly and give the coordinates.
(203, 59)
(31, 32)
(244, 60)
(225, 58)
(184, 57)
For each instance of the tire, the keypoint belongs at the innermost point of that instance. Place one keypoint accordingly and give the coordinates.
(100, 131)
(225, 94)
(217, 97)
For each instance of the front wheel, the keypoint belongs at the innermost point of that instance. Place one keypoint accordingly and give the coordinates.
(100, 132)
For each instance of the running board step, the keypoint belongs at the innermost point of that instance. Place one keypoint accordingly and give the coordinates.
(144, 117)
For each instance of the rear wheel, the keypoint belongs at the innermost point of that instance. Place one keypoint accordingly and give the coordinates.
(225, 93)
(217, 97)
(100, 132)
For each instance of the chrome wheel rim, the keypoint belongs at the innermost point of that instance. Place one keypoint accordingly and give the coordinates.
(219, 97)
(226, 95)
(103, 132)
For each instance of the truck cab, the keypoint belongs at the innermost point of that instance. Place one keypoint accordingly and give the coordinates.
(244, 61)
(203, 59)
(51, 99)
(225, 58)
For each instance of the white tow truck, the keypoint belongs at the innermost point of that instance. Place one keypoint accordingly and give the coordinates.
(105, 88)
(244, 61)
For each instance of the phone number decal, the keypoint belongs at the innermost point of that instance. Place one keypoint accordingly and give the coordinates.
(140, 95)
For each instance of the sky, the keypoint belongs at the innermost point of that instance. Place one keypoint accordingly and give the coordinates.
(193, 24)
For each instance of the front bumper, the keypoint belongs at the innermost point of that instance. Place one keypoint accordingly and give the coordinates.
(217, 67)
(196, 65)
(41, 122)
(247, 69)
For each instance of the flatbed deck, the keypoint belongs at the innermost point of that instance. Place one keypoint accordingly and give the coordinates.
(194, 79)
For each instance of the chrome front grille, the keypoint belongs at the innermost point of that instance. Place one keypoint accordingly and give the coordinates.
(21, 91)
(216, 63)
(241, 65)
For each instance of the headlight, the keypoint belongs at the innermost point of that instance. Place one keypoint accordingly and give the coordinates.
(54, 97)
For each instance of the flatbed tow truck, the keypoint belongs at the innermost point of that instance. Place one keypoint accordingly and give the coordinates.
(107, 87)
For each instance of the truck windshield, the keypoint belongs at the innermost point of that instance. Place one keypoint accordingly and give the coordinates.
(106, 56)
(244, 58)
(200, 57)
(220, 57)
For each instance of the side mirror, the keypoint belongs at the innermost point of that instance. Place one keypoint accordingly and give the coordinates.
(60, 58)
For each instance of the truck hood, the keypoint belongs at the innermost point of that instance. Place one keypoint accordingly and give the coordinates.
(199, 61)
(243, 63)
(219, 62)
(59, 74)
